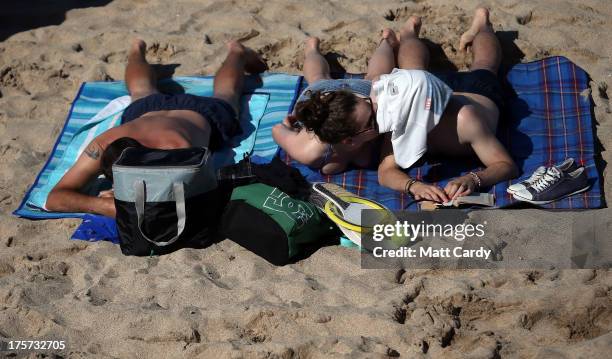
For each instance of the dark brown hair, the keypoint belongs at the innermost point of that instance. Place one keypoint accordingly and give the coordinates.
(112, 153)
(329, 115)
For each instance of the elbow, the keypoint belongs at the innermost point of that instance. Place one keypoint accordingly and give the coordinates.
(276, 132)
(381, 178)
(52, 203)
(386, 171)
(382, 175)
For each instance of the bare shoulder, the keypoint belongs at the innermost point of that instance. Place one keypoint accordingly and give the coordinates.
(97, 146)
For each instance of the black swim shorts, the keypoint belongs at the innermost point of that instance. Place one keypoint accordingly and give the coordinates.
(481, 82)
(223, 118)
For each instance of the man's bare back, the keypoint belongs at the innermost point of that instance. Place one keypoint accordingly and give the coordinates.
(157, 121)
(163, 130)
(444, 138)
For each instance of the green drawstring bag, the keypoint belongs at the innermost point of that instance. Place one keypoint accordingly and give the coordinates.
(271, 224)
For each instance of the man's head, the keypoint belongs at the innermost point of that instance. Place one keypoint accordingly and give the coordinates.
(113, 151)
(336, 117)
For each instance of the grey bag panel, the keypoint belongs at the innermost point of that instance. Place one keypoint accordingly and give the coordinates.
(159, 182)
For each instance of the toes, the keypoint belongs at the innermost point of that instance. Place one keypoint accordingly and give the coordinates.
(481, 19)
(482, 13)
(416, 22)
(139, 45)
(312, 43)
(236, 46)
(390, 36)
(412, 26)
(254, 64)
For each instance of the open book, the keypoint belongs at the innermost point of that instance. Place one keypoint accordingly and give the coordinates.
(473, 199)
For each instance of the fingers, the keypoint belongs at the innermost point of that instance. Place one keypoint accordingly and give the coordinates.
(428, 196)
(429, 192)
(448, 187)
(434, 194)
(439, 193)
(465, 192)
(106, 194)
(459, 190)
(451, 189)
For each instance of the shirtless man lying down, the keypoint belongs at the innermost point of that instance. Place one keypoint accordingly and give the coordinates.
(455, 115)
(160, 121)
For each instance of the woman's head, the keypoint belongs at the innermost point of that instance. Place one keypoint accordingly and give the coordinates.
(335, 116)
(112, 153)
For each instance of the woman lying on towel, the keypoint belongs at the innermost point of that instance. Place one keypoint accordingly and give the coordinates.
(159, 121)
(416, 111)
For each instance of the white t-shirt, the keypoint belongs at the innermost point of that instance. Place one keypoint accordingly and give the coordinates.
(410, 104)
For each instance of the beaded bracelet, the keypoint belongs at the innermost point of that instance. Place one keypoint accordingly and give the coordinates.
(408, 185)
(476, 179)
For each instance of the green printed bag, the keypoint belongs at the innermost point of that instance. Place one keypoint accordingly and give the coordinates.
(271, 224)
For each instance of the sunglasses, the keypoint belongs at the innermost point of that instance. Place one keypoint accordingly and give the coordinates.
(370, 127)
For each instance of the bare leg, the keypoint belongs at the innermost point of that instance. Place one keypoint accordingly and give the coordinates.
(139, 75)
(413, 53)
(383, 59)
(486, 49)
(315, 66)
(230, 77)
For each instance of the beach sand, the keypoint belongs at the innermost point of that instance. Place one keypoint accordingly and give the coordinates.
(226, 302)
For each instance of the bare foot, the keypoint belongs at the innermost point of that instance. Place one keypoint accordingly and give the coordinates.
(411, 28)
(253, 63)
(480, 23)
(311, 44)
(389, 36)
(138, 47)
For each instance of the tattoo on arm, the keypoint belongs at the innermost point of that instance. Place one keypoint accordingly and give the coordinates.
(93, 151)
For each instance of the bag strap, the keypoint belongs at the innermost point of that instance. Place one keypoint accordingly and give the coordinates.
(179, 199)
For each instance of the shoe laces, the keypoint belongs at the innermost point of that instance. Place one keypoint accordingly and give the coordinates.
(551, 176)
(541, 171)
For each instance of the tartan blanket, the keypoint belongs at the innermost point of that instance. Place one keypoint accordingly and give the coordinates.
(546, 120)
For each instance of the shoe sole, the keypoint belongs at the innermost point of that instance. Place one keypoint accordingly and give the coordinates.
(509, 191)
(519, 198)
